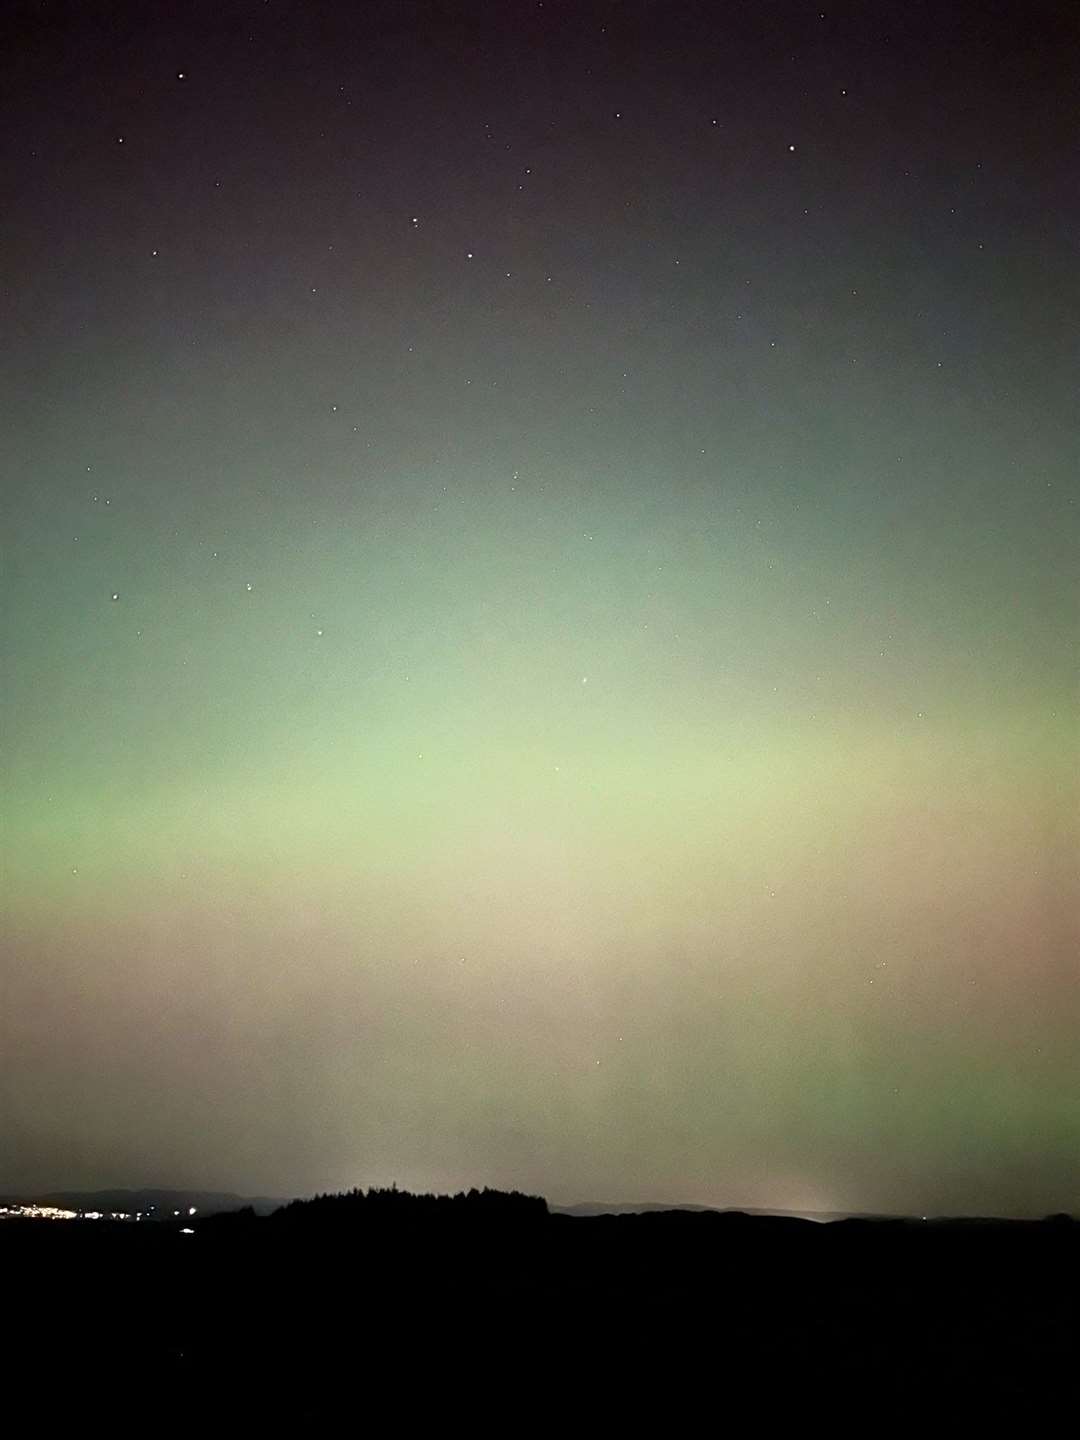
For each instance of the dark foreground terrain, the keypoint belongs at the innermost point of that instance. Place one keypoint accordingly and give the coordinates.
(491, 1312)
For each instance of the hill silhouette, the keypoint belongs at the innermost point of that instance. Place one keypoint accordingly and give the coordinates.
(393, 1206)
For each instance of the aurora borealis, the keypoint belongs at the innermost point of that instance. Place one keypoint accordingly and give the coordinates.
(590, 700)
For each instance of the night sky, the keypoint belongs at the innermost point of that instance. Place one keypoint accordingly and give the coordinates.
(540, 600)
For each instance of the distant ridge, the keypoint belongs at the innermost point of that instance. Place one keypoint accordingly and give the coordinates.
(589, 1208)
(592, 1207)
(595, 1207)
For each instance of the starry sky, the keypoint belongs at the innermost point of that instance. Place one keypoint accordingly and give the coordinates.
(540, 600)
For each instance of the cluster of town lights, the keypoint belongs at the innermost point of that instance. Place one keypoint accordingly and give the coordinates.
(58, 1212)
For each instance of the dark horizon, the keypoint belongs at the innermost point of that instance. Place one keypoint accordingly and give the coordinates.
(415, 1300)
(267, 1204)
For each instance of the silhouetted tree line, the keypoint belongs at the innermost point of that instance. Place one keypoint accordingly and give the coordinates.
(391, 1205)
